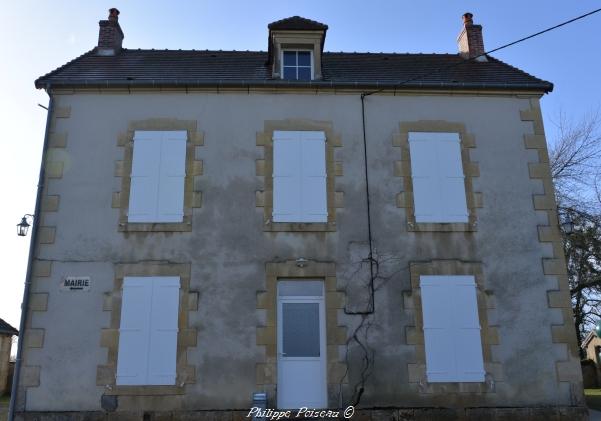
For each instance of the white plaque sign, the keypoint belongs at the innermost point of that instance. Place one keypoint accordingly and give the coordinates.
(76, 283)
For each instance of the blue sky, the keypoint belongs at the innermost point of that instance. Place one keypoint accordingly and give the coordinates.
(40, 36)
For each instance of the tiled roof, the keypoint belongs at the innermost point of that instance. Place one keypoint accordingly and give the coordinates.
(297, 23)
(7, 329)
(156, 68)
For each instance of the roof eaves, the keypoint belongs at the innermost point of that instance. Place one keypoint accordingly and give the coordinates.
(170, 83)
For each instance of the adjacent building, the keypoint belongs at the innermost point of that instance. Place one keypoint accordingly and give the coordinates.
(6, 341)
(331, 229)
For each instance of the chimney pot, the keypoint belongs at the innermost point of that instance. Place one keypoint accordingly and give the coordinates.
(110, 35)
(467, 18)
(470, 41)
(114, 14)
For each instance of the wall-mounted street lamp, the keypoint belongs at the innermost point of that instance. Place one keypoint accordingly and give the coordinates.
(23, 226)
(567, 224)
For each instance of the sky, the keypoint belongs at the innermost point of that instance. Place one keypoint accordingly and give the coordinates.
(36, 37)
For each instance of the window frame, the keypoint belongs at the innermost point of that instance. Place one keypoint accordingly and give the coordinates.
(154, 282)
(161, 137)
(489, 334)
(186, 336)
(264, 169)
(300, 136)
(402, 168)
(430, 283)
(123, 169)
(297, 50)
(433, 141)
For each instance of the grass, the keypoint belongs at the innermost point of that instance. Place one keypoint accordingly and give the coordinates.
(593, 398)
(4, 400)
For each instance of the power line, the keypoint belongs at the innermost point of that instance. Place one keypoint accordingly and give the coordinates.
(485, 53)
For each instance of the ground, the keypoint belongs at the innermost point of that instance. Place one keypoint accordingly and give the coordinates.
(593, 401)
(4, 407)
(593, 398)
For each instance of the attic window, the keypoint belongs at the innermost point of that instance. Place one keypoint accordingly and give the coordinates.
(297, 65)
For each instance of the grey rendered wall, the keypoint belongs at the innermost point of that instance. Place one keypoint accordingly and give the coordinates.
(228, 248)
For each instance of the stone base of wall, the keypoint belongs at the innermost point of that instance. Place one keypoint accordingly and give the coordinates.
(563, 413)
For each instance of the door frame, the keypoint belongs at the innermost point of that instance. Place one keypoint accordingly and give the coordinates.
(322, 335)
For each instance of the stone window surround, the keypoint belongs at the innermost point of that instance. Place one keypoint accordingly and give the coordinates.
(186, 337)
(336, 335)
(194, 168)
(402, 169)
(415, 334)
(264, 168)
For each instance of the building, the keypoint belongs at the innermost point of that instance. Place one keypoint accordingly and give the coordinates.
(6, 341)
(215, 224)
(591, 347)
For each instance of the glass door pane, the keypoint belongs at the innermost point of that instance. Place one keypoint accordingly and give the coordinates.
(300, 329)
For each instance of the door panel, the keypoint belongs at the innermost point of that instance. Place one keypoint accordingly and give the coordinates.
(301, 346)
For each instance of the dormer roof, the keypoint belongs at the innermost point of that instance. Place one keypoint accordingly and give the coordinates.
(297, 23)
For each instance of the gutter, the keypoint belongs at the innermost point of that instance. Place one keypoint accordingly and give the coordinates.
(545, 87)
(32, 249)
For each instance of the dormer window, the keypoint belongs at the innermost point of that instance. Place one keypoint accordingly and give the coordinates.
(297, 65)
(295, 49)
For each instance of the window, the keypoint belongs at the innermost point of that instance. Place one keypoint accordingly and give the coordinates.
(451, 329)
(299, 176)
(438, 178)
(157, 176)
(148, 331)
(297, 65)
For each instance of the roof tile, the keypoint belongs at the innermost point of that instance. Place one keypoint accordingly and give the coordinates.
(189, 68)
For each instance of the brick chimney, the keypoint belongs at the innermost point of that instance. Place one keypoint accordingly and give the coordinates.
(110, 35)
(470, 39)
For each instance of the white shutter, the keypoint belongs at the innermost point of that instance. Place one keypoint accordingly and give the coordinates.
(451, 329)
(299, 177)
(144, 189)
(134, 331)
(452, 180)
(424, 172)
(157, 178)
(313, 180)
(163, 332)
(172, 177)
(148, 331)
(438, 179)
(286, 176)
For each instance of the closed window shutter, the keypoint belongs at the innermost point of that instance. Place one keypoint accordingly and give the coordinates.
(163, 332)
(157, 178)
(286, 176)
(438, 179)
(148, 331)
(452, 179)
(134, 331)
(313, 179)
(145, 171)
(172, 177)
(451, 329)
(299, 177)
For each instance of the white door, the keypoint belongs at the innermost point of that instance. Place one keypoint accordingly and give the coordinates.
(301, 345)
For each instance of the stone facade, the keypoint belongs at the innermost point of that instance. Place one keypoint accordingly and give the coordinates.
(230, 259)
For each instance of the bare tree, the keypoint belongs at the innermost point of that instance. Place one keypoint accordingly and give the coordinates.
(574, 160)
(576, 168)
